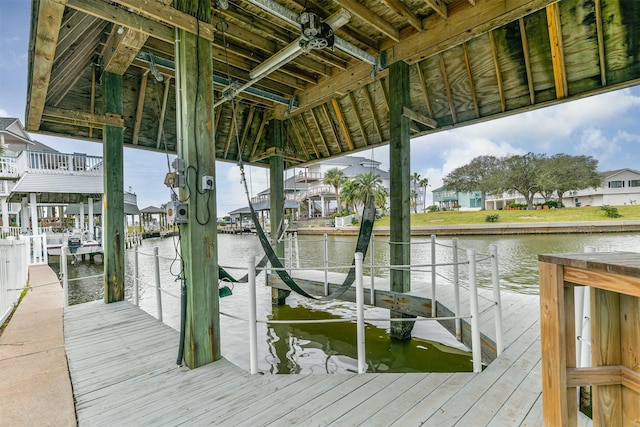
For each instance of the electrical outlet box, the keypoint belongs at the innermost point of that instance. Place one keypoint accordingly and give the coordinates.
(208, 183)
(178, 165)
(182, 213)
(174, 180)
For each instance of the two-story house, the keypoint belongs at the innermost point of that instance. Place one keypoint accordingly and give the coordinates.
(619, 187)
(463, 200)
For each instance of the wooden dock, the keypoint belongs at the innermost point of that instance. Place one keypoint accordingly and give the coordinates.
(122, 365)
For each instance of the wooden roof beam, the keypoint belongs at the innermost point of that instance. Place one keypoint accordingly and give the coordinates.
(557, 50)
(142, 91)
(472, 86)
(231, 133)
(263, 123)
(398, 7)
(527, 60)
(163, 111)
(122, 50)
(371, 18)
(313, 143)
(82, 118)
(247, 127)
(372, 111)
(439, 7)
(44, 48)
(496, 63)
(120, 16)
(601, 53)
(423, 88)
(170, 16)
(447, 87)
(469, 22)
(354, 106)
(317, 124)
(417, 117)
(334, 132)
(298, 136)
(343, 123)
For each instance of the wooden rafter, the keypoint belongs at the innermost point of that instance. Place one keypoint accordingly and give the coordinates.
(557, 50)
(472, 87)
(423, 88)
(439, 7)
(356, 113)
(466, 22)
(72, 30)
(334, 131)
(420, 118)
(311, 140)
(247, 127)
(298, 135)
(92, 102)
(371, 18)
(372, 112)
(343, 123)
(142, 90)
(317, 124)
(398, 7)
(82, 118)
(496, 63)
(447, 87)
(601, 53)
(163, 111)
(256, 140)
(46, 38)
(527, 60)
(232, 130)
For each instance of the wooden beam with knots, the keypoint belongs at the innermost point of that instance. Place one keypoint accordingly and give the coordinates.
(496, 63)
(472, 86)
(354, 107)
(398, 7)
(527, 60)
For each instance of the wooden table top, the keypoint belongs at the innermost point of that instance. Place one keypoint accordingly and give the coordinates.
(624, 263)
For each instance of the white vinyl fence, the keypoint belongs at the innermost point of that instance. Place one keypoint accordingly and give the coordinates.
(14, 268)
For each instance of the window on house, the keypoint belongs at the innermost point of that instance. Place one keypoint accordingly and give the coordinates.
(616, 184)
(634, 183)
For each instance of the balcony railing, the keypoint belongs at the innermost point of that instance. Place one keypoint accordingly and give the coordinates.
(49, 163)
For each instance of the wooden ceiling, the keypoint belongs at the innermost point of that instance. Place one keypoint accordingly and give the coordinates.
(470, 61)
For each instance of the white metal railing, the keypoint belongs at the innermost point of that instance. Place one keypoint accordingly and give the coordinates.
(14, 272)
(53, 162)
(10, 232)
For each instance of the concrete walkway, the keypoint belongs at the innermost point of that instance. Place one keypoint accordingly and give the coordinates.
(34, 378)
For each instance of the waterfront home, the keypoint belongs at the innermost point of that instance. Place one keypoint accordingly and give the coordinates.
(37, 183)
(451, 199)
(619, 187)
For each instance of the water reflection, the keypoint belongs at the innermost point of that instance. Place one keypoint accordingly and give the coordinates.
(320, 348)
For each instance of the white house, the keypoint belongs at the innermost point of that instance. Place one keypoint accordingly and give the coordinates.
(38, 182)
(619, 187)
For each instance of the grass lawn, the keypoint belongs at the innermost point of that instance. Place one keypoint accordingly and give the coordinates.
(587, 213)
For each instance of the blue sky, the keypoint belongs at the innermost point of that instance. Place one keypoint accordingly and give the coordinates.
(605, 126)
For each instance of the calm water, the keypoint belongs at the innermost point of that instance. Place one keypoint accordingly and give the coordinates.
(330, 348)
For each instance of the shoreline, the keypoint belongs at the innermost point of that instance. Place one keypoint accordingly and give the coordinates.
(490, 229)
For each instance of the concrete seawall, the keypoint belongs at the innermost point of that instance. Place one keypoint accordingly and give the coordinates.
(492, 228)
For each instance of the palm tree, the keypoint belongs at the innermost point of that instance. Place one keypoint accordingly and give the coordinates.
(424, 182)
(336, 178)
(414, 196)
(370, 185)
(348, 193)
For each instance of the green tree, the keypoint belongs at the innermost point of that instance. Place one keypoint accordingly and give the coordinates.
(336, 178)
(520, 173)
(478, 175)
(562, 173)
(415, 179)
(356, 191)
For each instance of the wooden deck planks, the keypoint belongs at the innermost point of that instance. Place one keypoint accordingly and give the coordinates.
(122, 364)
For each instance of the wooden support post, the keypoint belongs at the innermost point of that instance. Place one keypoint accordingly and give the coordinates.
(400, 165)
(275, 136)
(198, 238)
(113, 204)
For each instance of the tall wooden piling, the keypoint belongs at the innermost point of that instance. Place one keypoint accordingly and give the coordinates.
(400, 203)
(198, 239)
(113, 202)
